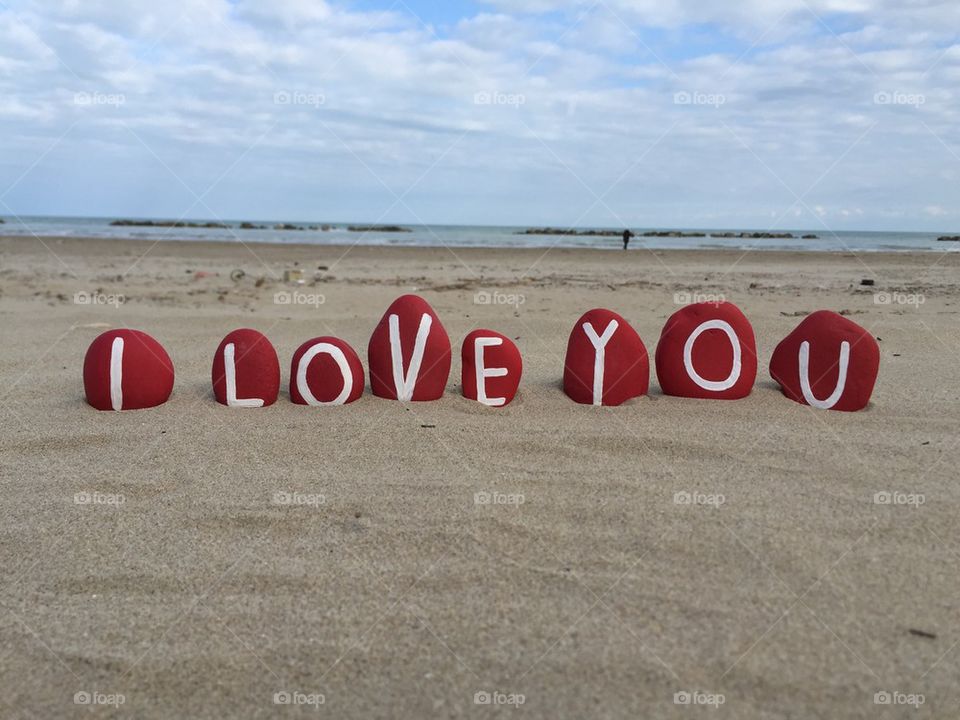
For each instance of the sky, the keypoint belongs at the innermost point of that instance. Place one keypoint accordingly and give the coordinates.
(761, 114)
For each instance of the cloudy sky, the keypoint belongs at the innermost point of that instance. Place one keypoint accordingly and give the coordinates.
(838, 114)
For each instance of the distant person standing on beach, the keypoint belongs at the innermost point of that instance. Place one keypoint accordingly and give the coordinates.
(626, 238)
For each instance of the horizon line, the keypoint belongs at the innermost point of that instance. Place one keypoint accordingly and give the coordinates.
(678, 228)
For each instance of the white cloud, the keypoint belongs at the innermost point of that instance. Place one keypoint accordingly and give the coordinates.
(290, 14)
(377, 99)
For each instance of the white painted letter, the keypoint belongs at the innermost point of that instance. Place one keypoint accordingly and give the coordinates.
(599, 344)
(341, 360)
(713, 385)
(230, 372)
(805, 377)
(116, 374)
(405, 385)
(483, 372)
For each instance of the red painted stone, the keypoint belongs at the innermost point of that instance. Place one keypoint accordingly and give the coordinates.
(325, 371)
(808, 363)
(621, 359)
(250, 376)
(421, 368)
(706, 366)
(491, 362)
(126, 370)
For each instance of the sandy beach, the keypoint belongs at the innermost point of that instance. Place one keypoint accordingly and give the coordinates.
(146, 554)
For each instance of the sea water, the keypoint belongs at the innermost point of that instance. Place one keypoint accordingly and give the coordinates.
(471, 236)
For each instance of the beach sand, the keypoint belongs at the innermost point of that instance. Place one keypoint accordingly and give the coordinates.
(391, 592)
